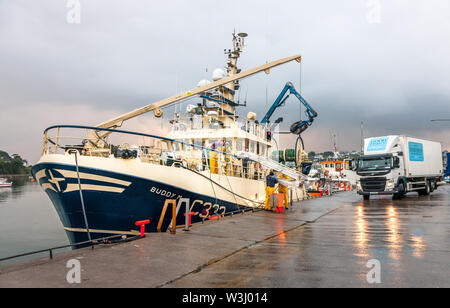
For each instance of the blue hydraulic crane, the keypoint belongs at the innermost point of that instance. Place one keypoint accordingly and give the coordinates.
(299, 126)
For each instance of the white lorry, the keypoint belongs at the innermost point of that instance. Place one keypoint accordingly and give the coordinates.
(396, 165)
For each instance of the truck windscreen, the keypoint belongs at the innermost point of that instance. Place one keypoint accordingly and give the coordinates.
(374, 163)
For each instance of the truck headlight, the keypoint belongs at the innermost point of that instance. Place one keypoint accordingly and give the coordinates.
(390, 184)
(358, 186)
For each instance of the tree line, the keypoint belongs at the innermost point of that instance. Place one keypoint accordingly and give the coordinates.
(13, 164)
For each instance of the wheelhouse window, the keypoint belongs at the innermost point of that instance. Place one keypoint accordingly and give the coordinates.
(252, 146)
(239, 145)
(199, 143)
(263, 149)
(186, 143)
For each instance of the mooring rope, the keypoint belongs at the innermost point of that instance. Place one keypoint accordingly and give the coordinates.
(212, 181)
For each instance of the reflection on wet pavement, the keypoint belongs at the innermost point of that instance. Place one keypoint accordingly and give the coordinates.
(409, 237)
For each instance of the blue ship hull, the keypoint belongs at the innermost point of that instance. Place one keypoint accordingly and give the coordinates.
(113, 206)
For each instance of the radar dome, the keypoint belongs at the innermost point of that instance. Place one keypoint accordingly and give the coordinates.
(203, 82)
(251, 116)
(218, 73)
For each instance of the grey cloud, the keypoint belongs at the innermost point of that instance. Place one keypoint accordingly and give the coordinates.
(393, 75)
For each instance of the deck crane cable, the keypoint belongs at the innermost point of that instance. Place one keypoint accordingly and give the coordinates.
(300, 85)
(231, 189)
(261, 204)
(300, 115)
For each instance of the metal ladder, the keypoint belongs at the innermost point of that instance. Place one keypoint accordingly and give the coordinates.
(271, 164)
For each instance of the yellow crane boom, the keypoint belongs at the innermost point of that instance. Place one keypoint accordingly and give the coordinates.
(156, 107)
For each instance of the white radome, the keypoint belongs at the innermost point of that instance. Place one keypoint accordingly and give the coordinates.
(203, 82)
(251, 116)
(218, 74)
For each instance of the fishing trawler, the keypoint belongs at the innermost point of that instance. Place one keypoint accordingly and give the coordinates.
(103, 180)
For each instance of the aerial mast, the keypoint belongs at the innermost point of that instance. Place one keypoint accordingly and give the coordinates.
(227, 85)
(229, 89)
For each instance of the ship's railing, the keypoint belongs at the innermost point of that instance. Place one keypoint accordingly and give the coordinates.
(149, 149)
(104, 240)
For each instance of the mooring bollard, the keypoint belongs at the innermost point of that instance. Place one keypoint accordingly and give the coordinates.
(142, 223)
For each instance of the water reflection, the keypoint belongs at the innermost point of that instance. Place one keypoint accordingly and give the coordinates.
(281, 234)
(28, 220)
(365, 220)
(17, 188)
(380, 231)
(361, 231)
(394, 237)
(418, 243)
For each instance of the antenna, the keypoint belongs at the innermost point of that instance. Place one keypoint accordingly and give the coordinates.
(362, 137)
(245, 100)
(239, 95)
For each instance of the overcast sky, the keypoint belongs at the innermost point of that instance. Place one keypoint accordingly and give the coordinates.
(390, 70)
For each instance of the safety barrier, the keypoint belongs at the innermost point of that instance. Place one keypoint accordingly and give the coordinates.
(92, 243)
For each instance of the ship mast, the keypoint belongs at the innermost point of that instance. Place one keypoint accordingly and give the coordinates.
(229, 89)
(226, 85)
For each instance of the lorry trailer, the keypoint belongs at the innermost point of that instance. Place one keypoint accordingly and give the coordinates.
(395, 165)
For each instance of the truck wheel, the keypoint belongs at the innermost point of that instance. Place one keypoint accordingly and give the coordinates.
(401, 191)
(426, 191)
(435, 185)
(366, 197)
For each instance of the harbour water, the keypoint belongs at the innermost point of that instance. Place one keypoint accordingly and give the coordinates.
(28, 220)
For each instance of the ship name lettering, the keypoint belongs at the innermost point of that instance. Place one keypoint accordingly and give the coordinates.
(162, 192)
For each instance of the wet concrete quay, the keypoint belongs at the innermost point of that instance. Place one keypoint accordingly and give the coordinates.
(324, 242)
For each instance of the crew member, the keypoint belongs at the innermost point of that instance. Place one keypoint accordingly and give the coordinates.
(284, 190)
(213, 166)
(245, 165)
(227, 158)
(271, 181)
(213, 156)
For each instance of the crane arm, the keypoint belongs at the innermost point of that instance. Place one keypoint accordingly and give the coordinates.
(278, 102)
(300, 126)
(95, 136)
(309, 110)
(156, 107)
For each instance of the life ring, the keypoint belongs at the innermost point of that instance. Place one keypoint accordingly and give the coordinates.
(326, 173)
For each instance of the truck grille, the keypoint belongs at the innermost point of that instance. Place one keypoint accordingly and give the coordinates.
(373, 184)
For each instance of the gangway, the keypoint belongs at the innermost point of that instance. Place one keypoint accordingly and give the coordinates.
(271, 164)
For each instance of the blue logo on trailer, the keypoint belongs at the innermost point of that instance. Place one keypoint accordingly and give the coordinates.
(415, 151)
(377, 144)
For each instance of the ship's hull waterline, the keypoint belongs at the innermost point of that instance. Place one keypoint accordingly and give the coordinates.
(118, 192)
